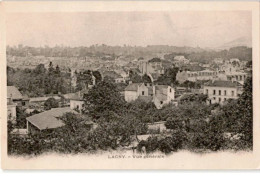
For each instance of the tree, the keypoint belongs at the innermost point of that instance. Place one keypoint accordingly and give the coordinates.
(200, 98)
(83, 80)
(97, 75)
(51, 103)
(134, 77)
(57, 70)
(20, 118)
(40, 69)
(169, 77)
(50, 69)
(146, 79)
(102, 98)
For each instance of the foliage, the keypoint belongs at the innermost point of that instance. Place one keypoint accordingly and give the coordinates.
(239, 115)
(84, 79)
(39, 81)
(164, 143)
(146, 79)
(97, 75)
(134, 77)
(169, 77)
(200, 98)
(117, 131)
(103, 97)
(51, 103)
(20, 118)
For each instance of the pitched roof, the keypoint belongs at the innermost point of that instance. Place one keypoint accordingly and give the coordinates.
(48, 119)
(132, 87)
(158, 87)
(221, 83)
(14, 93)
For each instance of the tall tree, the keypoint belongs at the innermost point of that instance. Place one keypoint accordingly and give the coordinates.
(102, 98)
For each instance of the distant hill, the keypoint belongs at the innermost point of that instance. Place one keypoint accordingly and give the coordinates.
(242, 41)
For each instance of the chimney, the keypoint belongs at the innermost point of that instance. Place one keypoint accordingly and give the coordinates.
(130, 82)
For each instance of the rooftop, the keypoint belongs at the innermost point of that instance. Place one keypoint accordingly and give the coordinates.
(48, 119)
(14, 93)
(221, 83)
(132, 87)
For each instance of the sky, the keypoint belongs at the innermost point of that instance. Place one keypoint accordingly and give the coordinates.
(178, 28)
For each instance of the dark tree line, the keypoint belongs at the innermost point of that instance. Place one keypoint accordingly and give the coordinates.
(241, 52)
(39, 81)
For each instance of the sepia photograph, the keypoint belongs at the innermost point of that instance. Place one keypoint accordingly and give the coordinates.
(133, 85)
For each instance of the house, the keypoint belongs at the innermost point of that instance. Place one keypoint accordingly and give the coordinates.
(237, 76)
(180, 61)
(219, 91)
(152, 66)
(16, 96)
(134, 90)
(194, 76)
(160, 95)
(47, 120)
(76, 101)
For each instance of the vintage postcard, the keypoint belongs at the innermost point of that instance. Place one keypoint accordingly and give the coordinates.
(129, 85)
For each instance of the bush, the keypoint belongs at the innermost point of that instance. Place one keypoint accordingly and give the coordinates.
(51, 103)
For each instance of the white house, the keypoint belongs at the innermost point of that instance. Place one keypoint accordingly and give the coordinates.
(135, 90)
(76, 101)
(160, 95)
(219, 91)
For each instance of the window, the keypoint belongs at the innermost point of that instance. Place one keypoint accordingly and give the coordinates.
(207, 91)
(214, 92)
(225, 92)
(219, 99)
(225, 99)
(219, 92)
(142, 92)
(161, 102)
(214, 98)
(170, 90)
(232, 93)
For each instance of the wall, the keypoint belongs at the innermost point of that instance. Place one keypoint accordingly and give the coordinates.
(130, 96)
(141, 89)
(222, 96)
(76, 104)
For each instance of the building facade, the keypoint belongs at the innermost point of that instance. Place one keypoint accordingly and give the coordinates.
(219, 91)
(160, 95)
